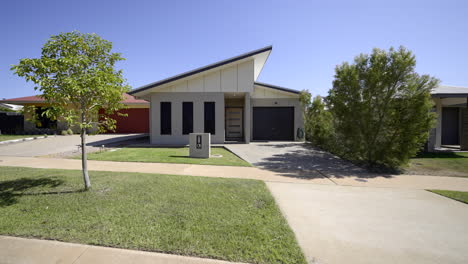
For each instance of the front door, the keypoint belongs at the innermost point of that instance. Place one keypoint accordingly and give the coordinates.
(450, 126)
(234, 123)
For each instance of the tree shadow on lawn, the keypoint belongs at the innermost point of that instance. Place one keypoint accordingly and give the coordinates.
(11, 190)
(307, 162)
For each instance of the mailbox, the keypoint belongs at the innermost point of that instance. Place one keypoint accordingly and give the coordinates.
(200, 145)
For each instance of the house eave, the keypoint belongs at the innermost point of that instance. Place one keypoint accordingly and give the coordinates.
(280, 88)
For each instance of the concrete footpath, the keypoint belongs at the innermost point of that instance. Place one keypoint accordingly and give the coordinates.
(21, 250)
(355, 225)
(309, 177)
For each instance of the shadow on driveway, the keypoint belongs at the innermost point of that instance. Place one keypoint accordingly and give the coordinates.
(299, 160)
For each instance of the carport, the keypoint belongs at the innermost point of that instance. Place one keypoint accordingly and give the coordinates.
(451, 106)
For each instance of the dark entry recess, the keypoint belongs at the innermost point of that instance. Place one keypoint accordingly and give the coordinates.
(450, 126)
(273, 123)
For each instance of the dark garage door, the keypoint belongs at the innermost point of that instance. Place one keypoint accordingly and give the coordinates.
(450, 126)
(273, 123)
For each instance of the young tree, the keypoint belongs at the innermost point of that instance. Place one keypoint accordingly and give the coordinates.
(76, 75)
(381, 107)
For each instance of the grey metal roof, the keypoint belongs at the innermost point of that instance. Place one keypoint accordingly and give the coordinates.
(202, 69)
(450, 91)
(277, 87)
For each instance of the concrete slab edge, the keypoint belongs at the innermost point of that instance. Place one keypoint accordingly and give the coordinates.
(24, 139)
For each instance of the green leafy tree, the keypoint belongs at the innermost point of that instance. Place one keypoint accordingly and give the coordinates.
(318, 122)
(320, 125)
(381, 107)
(76, 75)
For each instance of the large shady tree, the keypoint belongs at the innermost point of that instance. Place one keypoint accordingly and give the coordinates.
(76, 75)
(381, 107)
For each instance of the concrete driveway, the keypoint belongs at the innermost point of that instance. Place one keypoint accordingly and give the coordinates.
(295, 159)
(343, 224)
(302, 162)
(60, 144)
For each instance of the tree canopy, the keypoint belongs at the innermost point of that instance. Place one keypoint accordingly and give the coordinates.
(77, 77)
(381, 107)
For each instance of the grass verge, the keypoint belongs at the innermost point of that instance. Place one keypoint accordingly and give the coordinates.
(440, 164)
(456, 195)
(169, 155)
(230, 219)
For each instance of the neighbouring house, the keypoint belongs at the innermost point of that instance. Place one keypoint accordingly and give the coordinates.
(451, 130)
(136, 121)
(225, 100)
(9, 107)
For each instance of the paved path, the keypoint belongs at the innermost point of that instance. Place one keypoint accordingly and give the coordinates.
(20, 250)
(59, 144)
(342, 224)
(398, 181)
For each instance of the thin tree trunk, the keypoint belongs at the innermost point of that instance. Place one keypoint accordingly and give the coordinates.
(84, 158)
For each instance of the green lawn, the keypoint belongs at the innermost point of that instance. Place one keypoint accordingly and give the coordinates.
(440, 164)
(168, 155)
(11, 137)
(231, 219)
(459, 196)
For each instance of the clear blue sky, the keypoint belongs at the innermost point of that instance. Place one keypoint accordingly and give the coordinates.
(164, 38)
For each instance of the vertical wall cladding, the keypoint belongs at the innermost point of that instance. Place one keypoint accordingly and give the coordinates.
(245, 77)
(229, 79)
(233, 79)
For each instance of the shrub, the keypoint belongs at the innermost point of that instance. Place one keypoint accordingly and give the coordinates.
(69, 131)
(381, 108)
(319, 125)
(64, 132)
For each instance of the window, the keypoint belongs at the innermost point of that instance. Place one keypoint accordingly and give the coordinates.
(210, 117)
(187, 118)
(43, 121)
(165, 118)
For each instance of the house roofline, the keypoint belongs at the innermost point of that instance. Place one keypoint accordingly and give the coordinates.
(276, 87)
(199, 70)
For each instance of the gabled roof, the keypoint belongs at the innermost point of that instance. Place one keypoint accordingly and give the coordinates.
(450, 91)
(277, 87)
(203, 69)
(128, 99)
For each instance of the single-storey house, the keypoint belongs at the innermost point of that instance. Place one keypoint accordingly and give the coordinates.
(136, 121)
(451, 130)
(225, 100)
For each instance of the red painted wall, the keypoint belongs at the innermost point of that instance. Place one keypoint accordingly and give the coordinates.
(137, 120)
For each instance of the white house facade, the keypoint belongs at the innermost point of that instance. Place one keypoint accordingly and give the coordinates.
(225, 100)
